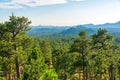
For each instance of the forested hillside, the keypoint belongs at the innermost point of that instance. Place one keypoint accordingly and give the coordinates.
(76, 57)
(55, 31)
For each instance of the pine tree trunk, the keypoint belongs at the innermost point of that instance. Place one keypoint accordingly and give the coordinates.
(83, 60)
(65, 77)
(83, 73)
(17, 67)
(111, 74)
(16, 58)
(79, 74)
(7, 76)
(86, 73)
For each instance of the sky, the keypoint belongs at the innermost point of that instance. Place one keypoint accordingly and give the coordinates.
(62, 12)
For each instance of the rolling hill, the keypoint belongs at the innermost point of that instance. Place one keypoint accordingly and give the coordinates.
(72, 30)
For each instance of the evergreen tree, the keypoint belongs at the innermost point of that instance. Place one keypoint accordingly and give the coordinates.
(102, 43)
(35, 67)
(13, 39)
(47, 51)
(81, 45)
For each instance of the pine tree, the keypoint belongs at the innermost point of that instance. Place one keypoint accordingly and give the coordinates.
(81, 45)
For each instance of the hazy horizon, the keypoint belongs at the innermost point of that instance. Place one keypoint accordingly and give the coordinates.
(62, 12)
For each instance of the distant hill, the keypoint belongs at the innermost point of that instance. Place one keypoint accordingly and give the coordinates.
(75, 30)
(110, 25)
(72, 30)
(45, 30)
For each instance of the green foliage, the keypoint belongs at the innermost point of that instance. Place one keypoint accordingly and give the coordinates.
(49, 75)
(47, 51)
(62, 62)
(35, 65)
(102, 39)
(81, 57)
(82, 46)
(13, 44)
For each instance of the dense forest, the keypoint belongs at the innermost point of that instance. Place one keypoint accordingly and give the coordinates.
(81, 57)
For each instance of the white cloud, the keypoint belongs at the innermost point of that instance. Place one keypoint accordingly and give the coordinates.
(77, 0)
(9, 5)
(31, 3)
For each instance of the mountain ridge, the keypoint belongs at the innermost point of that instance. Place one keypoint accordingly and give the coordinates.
(72, 30)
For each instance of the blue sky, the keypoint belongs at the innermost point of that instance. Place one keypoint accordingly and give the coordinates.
(62, 12)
